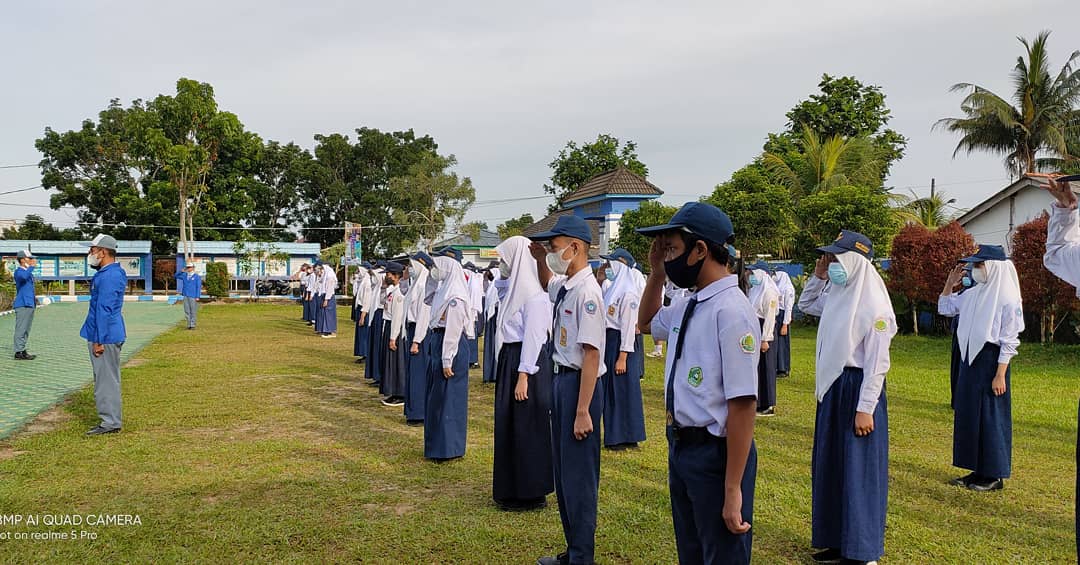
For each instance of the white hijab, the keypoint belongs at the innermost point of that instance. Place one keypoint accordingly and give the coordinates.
(983, 303)
(639, 279)
(452, 287)
(491, 296)
(783, 282)
(418, 274)
(849, 315)
(625, 283)
(523, 282)
(761, 294)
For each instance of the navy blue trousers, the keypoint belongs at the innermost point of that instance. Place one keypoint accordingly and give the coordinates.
(577, 465)
(850, 474)
(696, 476)
(624, 414)
(446, 413)
(982, 422)
(416, 377)
(373, 363)
(782, 343)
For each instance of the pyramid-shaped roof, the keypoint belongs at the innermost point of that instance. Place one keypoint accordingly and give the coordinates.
(620, 181)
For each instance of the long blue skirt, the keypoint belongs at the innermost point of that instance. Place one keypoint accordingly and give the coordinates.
(317, 313)
(783, 347)
(490, 370)
(982, 422)
(446, 415)
(373, 362)
(522, 471)
(767, 375)
(329, 316)
(360, 338)
(394, 371)
(624, 414)
(635, 364)
(416, 380)
(474, 345)
(850, 474)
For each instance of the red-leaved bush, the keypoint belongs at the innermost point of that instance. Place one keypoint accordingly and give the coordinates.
(921, 261)
(1045, 296)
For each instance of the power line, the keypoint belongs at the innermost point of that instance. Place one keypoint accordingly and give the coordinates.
(18, 166)
(21, 190)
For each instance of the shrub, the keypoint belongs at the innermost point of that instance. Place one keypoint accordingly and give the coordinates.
(217, 280)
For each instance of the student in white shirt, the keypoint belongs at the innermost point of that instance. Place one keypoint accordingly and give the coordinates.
(991, 320)
(417, 325)
(624, 414)
(392, 387)
(850, 464)
(782, 343)
(765, 298)
(711, 383)
(447, 410)
(577, 399)
(522, 474)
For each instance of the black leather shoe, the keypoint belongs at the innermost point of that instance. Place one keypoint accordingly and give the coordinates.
(962, 481)
(828, 556)
(24, 356)
(560, 559)
(98, 430)
(986, 485)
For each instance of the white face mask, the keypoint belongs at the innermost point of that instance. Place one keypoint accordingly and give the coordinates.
(979, 274)
(557, 263)
(93, 260)
(436, 274)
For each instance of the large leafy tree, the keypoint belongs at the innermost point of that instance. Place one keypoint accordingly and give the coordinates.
(650, 213)
(819, 164)
(844, 108)
(281, 175)
(921, 261)
(761, 211)
(515, 226)
(576, 164)
(822, 216)
(431, 199)
(1038, 118)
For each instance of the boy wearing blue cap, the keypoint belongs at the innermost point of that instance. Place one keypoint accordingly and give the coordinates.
(850, 463)
(25, 303)
(577, 399)
(711, 383)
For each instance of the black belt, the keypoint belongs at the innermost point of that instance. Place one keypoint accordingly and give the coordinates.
(691, 435)
(560, 370)
(438, 331)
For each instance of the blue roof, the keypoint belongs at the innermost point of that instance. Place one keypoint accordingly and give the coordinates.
(226, 247)
(55, 247)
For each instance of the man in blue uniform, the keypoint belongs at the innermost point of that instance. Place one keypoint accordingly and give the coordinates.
(191, 288)
(711, 375)
(25, 302)
(104, 331)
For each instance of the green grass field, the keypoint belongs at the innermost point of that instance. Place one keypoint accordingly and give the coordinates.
(251, 440)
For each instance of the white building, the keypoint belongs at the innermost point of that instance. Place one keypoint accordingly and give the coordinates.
(993, 221)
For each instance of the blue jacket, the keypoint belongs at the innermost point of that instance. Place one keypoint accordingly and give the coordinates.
(24, 288)
(190, 287)
(104, 321)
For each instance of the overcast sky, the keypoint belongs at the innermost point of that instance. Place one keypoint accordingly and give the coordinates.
(504, 85)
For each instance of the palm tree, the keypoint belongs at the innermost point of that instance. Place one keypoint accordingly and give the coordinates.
(1040, 118)
(930, 211)
(825, 163)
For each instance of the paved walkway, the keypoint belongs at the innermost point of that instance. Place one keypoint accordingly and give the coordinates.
(28, 388)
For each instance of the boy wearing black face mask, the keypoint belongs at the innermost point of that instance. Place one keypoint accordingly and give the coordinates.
(711, 375)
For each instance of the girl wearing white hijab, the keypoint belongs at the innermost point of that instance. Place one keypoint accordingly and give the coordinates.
(624, 413)
(765, 298)
(991, 319)
(523, 471)
(782, 343)
(361, 314)
(377, 332)
(417, 326)
(491, 311)
(851, 434)
(447, 409)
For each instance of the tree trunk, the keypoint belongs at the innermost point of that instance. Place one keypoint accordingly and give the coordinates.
(915, 318)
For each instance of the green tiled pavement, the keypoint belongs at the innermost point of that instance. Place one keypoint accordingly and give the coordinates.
(28, 388)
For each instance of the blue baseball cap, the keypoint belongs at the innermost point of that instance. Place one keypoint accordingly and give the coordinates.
(394, 267)
(987, 253)
(762, 266)
(850, 241)
(703, 220)
(569, 226)
(424, 259)
(365, 265)
(450, 252)
(622, 256)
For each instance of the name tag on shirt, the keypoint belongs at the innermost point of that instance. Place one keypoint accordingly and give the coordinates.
(562, 337)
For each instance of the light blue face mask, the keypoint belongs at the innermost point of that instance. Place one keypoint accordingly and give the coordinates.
(609, 274)
(967, 282)
(754, 281)
(837, 274)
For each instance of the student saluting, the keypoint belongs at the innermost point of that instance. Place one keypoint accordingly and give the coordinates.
(850, 463)
(711, 383)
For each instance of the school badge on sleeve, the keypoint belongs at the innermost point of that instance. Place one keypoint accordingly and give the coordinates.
(881, 325)
(748, 344)
(590, 307)
(694, 378)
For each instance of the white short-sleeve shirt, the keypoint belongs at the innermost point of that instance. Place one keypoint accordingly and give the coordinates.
(580, 319)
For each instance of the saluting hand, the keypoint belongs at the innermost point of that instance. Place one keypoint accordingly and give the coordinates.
(821, 268)
(864, 424)
(656, 256)
(537, 250)
(954, 278)
(1063, 193)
